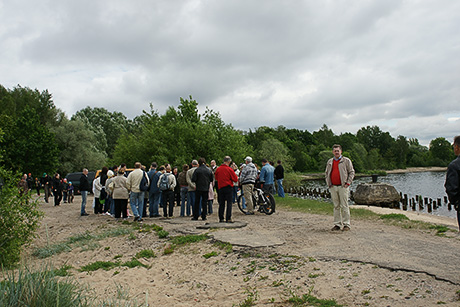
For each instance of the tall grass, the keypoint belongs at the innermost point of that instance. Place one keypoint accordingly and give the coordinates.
(40, 289)
(44, 288)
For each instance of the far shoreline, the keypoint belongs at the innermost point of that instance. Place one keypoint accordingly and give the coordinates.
(316, 176)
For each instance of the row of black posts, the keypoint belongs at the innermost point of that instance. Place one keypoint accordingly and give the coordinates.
(417, 202)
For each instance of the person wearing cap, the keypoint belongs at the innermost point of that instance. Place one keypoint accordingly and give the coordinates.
(248, 177)
(452, 183)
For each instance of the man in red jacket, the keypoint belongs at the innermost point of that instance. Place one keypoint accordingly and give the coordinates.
(225, 176)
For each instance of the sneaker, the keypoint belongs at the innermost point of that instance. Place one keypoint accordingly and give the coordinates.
(249, 213)
(335, 228)
(136, 218)
(230, 221)
(84, 214)
(204, 218)
(221, 221)
(346, 228)
(140, 220)
(194, 219)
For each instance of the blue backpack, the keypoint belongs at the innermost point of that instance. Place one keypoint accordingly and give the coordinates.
(144, 185)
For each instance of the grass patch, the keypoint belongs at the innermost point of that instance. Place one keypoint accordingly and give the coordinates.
(133, 263)
(310, 300)
(146, 253)
(211, 254)
(227, 247)
(440, 229)
(105, 265)
(63, 271)
(84, 240)
(394, 217)
(182, 240)
(162, 234)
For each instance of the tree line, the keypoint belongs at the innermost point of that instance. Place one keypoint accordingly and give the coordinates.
(37, 137)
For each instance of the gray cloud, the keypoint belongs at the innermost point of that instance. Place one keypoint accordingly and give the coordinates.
(344, 63)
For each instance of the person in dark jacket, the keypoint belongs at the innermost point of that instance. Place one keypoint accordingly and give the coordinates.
(202, 177)
(46, 183)
(452, 184)
(279, 176)
(57, 189)
(84, 188)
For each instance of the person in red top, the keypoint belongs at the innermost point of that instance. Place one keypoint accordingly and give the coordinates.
(339, 176)
(225, 176)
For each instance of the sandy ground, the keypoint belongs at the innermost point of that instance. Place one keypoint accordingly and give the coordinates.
(274, 258)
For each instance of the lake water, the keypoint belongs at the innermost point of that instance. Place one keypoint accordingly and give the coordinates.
(426, 184)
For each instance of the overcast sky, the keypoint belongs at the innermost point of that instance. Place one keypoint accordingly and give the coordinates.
(300, 64)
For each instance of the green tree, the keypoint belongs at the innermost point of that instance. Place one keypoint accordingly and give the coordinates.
(106, 126)
(441, 152)
(273, 150)
(180, 135)
(29, 145)
(77, 147)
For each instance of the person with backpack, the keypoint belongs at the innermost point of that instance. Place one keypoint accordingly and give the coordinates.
(166, 184)
(137, 196)
(154, 191)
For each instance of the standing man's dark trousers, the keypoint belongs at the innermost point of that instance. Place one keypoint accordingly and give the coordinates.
(224, 196)
(168, 197)
(201, 198)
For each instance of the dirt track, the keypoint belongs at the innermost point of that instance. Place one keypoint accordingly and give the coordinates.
(274, 257)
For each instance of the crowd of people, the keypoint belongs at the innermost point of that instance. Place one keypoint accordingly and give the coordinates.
(193, 189)
(57, 187)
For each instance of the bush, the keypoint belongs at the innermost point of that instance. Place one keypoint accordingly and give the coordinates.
(19, 219)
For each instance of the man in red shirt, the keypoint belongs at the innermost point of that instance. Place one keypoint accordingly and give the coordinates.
(225, 176)
(339, 176)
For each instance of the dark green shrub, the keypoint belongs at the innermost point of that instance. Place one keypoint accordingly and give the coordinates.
(19, 219)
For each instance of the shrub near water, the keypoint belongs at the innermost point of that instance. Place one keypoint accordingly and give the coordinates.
(19, 219)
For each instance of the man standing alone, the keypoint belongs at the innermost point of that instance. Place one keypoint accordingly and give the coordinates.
(84, 188)
(452, 184)
(339, 176)
(226, 176)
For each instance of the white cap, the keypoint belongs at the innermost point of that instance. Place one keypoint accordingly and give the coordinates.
(248, 158)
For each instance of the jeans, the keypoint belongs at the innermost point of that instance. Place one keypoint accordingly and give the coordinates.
(154, 200)
(235, 194)
(191, 201)
(183, 195)
(137, 203)
(279, 182)
(84, 195)
(224, 196)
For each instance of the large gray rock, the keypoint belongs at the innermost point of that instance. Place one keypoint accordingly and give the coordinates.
(377, 194)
